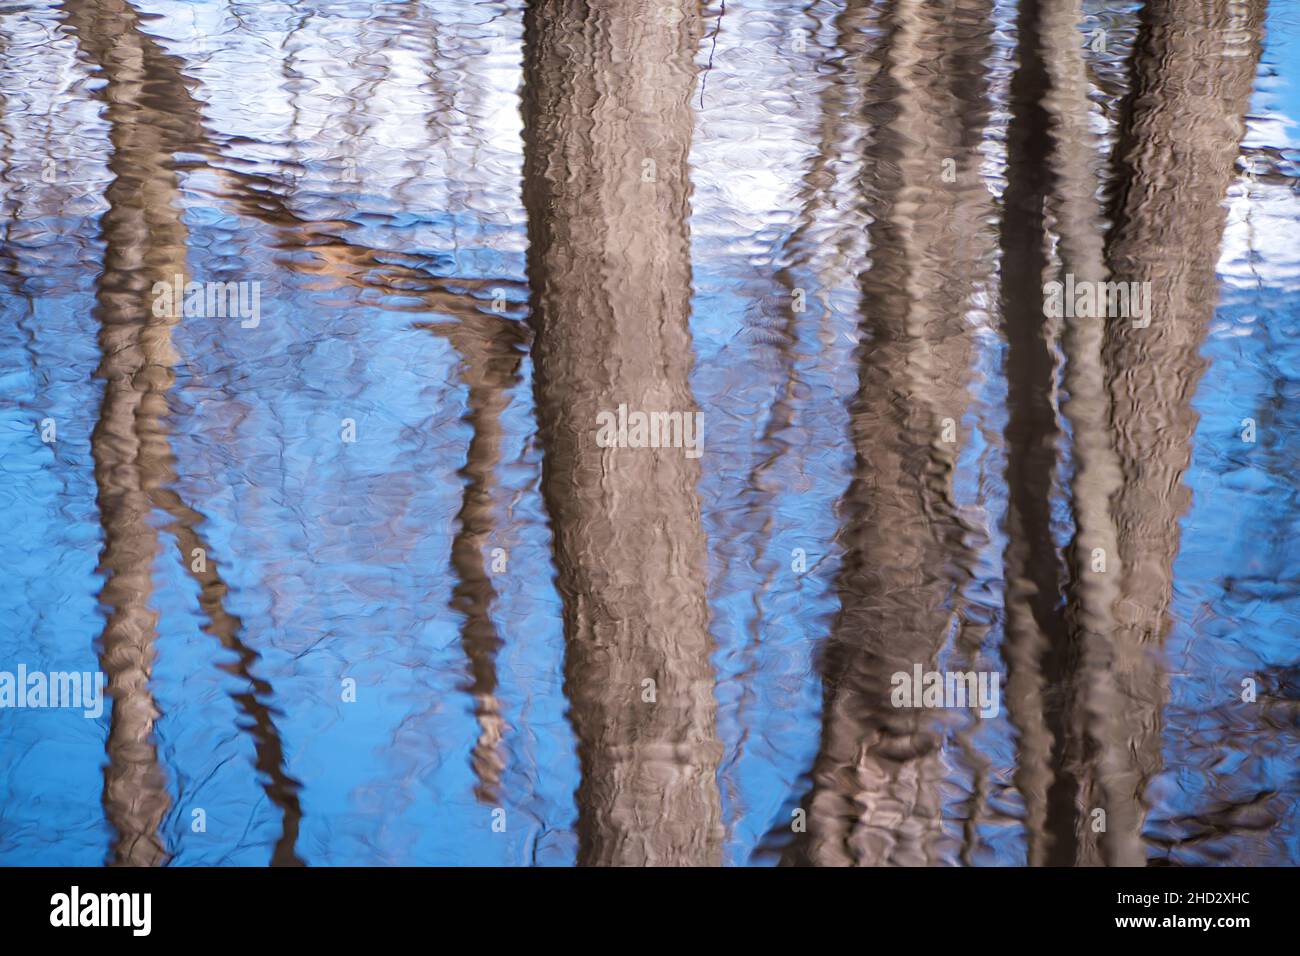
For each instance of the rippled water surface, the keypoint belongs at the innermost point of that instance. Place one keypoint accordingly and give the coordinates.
(367, 589)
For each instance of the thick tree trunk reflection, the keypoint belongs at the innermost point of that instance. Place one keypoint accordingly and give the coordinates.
(607, 132)
(875, 789)
(1193, 70)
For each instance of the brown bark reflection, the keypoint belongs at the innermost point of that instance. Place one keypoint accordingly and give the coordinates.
(1086, 688)
(1193, 70)
(490, 350)
(1035, 640)
(1095, 477)
(486, 343)
(875, 782)
(607, 132)
(1053, 651)
(145, 242)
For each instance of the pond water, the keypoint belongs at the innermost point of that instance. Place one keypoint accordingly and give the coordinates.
(366, 588)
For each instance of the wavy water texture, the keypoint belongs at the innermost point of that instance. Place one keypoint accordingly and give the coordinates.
(373, 580)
